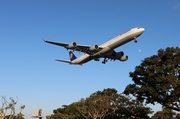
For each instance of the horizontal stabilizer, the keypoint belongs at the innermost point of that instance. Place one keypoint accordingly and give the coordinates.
(66, 61)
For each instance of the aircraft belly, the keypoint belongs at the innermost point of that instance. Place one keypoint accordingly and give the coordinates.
(82, 59)
(100, 53)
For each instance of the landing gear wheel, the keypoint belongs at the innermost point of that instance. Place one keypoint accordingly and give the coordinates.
(135, 39)
(104, 61)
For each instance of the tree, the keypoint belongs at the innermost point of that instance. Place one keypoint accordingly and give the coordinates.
(99, 104)
(10, 107)
(66, 112)
(110, 105)
(158, 115)
(166, 113)
(156, 79)
(130, 108)
(106, 104)
(83, 109)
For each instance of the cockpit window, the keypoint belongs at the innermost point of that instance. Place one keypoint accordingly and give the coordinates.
(138, 27)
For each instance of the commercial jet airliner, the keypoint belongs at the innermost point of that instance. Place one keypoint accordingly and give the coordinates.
(105, 50)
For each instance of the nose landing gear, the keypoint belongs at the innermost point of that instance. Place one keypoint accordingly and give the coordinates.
(135, 39)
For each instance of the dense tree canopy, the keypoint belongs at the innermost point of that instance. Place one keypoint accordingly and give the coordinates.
(106, 104)
(99, 104)
(66, 112)
(156, 79)
(133, 109)
(166, 113)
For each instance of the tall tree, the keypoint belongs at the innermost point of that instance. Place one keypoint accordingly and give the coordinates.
(156, 79)
(130, 108)
(108, 104)
(99, 104)
(66, 112)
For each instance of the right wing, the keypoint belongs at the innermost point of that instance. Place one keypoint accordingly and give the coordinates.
(77, 47)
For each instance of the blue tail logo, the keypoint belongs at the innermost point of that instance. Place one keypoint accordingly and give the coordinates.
(72, 56)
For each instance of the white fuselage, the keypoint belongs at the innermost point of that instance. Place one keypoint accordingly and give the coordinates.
(112, 44)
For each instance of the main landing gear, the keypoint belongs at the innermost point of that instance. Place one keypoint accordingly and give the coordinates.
(104, 61)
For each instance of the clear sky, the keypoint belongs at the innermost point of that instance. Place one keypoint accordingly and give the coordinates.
(27, 65)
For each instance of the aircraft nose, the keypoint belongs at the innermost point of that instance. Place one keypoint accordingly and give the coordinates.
(143, 29)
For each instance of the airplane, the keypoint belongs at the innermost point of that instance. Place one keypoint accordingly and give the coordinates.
(96, 52)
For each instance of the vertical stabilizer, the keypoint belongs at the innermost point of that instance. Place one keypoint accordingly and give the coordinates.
(72, 56)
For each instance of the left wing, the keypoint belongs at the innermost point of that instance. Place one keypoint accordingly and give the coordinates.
(76, 47)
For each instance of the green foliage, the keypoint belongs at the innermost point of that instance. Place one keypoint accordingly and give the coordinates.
(66, 112)
(166, 113)
(99, 104)
(10, 106)
(156, 79)
(106, 104)
(130, 108)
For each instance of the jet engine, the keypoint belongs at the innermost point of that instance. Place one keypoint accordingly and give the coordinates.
(72, 45)
(94, 47)
(124, 58)
(120, 56)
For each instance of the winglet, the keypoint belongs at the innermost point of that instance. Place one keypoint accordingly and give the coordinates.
(46, 41)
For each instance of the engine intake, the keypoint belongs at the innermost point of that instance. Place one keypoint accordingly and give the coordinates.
(94, 47)
(124, 58)
(72, 45)
(120, 56)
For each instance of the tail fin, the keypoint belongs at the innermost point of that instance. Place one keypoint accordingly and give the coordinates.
(72, 56)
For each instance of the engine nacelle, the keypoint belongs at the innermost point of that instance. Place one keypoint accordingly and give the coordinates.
(124, 58)
(120, 56)
(94, 47)
(72, 45)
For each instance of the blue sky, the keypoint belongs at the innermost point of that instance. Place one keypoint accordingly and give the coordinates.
(27, 66)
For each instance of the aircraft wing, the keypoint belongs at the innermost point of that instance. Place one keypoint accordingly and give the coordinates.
(77, 47)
